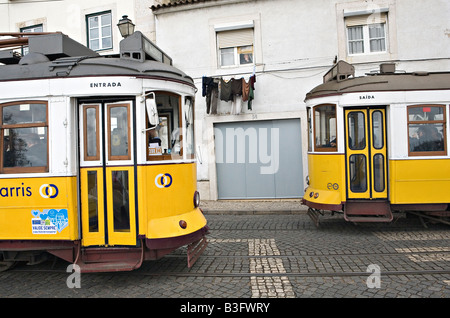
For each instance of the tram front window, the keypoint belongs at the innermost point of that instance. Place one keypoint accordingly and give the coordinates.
(24, 138)
(165, 140)
(189, 115)
(325, 128)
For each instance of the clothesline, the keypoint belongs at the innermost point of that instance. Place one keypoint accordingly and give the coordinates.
(235, 90)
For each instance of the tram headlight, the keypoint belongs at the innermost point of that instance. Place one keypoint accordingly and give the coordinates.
(183, 224)
(196, 199)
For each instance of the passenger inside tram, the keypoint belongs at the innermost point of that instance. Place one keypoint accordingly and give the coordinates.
(426, 138)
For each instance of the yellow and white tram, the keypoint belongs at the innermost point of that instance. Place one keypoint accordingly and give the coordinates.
(379, 144)
(97, 164)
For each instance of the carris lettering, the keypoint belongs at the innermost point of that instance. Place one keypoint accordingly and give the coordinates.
(10, 192)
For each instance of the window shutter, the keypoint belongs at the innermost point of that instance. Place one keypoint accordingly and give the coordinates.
(235, 38)
(366, 19)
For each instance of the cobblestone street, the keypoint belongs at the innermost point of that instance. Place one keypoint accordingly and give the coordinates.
(271, 256)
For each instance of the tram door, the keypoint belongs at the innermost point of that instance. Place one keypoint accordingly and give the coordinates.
(366, 153)
(107, 174)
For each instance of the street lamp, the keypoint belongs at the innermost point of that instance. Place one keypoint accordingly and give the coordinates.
(126, 27)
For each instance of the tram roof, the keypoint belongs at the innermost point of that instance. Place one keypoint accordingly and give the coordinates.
(68, 58)
(336, 83)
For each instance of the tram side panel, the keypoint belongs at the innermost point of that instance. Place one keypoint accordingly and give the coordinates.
(38, 209)
(327, 180)
(43, 206)
(419, 181)
(166, 197)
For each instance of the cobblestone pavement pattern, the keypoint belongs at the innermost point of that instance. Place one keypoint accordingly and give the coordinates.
(269, 254)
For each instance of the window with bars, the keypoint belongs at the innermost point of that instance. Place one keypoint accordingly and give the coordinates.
(99, 31)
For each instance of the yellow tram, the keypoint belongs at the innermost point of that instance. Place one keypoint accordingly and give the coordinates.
(379, 144)
(97, 164)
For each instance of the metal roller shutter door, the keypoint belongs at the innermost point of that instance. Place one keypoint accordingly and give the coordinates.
(259, 159)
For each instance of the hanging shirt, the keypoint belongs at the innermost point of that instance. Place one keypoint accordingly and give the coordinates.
(226, 93)
(236, 86)
(251, 94)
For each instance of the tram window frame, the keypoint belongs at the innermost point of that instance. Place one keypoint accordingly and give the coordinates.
(310, 128)
(87, 134)
(172, 118)
(39, 125)
(120, 137)
(189, 115)
(327, 145)
(414, 123)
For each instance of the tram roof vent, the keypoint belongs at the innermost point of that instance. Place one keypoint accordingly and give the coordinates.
(137, 47)
(387, 68)
(58, 45)
(339, 72)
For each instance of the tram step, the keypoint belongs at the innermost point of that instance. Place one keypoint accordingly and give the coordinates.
(361, 219)
(109, 259)
(108, 266)
(368, 211)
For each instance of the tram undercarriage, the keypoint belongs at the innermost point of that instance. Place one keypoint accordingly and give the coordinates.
(101, 258)
(380, 211)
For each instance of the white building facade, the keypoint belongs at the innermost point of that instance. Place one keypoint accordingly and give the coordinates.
(254, 148)
(92, 23)
(292, 44)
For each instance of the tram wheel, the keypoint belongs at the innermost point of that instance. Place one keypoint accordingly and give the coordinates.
(5, 265)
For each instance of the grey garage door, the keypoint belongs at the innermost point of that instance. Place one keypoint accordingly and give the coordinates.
(259, 159)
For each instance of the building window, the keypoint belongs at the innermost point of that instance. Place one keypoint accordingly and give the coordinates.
(325, 128)
(99, 30)
(427, 130)
(235, 47)
(366, 34)
(34, 28)
(24, 140)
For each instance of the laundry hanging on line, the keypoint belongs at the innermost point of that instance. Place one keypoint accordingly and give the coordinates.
(235, 90)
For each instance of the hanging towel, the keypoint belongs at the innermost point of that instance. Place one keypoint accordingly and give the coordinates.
(245, 90)
(214, 97)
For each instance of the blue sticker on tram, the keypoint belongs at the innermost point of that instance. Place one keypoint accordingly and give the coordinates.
(49, 221)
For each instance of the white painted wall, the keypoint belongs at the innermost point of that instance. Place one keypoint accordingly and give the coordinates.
(69, 16)
(295, 44)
